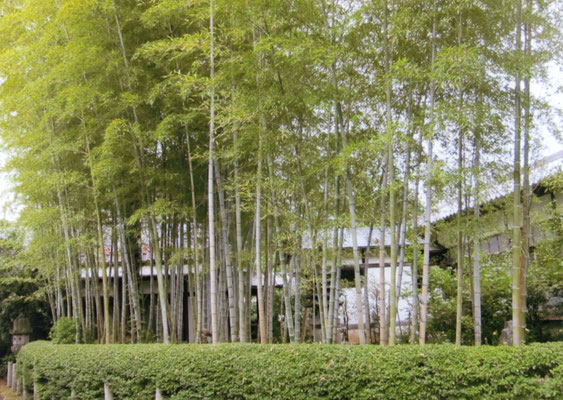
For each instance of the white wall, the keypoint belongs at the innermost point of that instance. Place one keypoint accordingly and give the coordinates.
(349, 295)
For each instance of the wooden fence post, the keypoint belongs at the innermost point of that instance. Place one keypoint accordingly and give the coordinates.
(9, 377)
(158, 395)
(35, 391)
(107, 392)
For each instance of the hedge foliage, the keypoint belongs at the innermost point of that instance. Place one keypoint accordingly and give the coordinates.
(250, 371)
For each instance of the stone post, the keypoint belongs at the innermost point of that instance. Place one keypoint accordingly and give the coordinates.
(9, 377)
(24, 390)
(107, 392)
(14, 377)
(158, 394)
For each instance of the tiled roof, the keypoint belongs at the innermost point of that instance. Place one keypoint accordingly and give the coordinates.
(541, 170)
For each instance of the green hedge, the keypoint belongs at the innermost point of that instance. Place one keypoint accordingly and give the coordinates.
(294, 371)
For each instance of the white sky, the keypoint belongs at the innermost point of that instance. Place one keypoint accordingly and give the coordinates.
(553, 93)
(8, 206)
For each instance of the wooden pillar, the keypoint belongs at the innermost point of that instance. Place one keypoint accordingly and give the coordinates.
(107, 392)
(9, 376)
(158, 394)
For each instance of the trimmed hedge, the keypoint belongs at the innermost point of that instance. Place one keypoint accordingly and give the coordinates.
(250, 371)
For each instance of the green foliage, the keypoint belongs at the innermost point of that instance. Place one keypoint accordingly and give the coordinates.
(293, 371)
(19, 287)
(495, 303)
(101, 100)
(4, 363)
(545, 275)
(63, 331)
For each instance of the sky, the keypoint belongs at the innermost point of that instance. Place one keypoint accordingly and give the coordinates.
(8, 205)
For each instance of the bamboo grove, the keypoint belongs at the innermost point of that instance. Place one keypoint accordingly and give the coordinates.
(222, 135)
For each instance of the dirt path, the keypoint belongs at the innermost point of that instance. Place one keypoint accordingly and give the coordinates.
(6, 393)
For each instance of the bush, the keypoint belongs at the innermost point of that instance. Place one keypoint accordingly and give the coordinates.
(63, 331)
(4, 363)
(247, 371)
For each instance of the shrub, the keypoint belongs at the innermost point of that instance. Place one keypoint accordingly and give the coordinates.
(247, 371)
(63, 331)
(4, 363)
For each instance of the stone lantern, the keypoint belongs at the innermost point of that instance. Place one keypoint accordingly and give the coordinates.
(20, 333)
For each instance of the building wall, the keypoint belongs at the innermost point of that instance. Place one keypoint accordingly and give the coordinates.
(348, 313)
